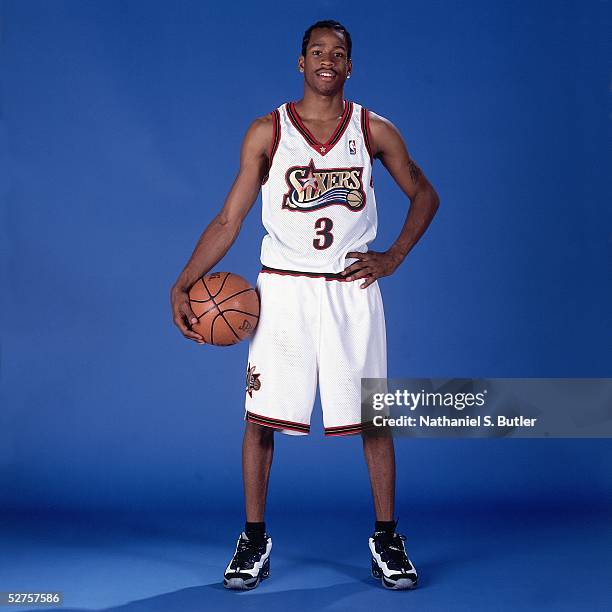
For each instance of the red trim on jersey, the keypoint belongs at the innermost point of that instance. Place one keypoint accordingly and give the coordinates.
(276, 134)
(348, 430)
(320, 148)
(277, 423)
(326, 275)
(365, 128)
(343, 433)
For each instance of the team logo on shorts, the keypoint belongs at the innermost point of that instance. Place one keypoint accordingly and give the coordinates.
(311, 188)
(252, 380)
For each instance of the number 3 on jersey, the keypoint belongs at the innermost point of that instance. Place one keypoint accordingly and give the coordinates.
(323, 225)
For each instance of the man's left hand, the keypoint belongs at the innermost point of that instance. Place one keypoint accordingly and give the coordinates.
(371, 266)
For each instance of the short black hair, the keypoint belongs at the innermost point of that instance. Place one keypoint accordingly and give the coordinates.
(332, 25)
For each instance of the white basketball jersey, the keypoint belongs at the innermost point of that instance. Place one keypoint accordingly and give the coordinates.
(318, 198)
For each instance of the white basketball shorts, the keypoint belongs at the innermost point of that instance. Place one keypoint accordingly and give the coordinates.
(313, 327)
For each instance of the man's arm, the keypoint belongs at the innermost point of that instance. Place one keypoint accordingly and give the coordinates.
(388, 146)
(221, 232)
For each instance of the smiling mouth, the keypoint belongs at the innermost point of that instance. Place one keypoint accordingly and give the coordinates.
(326, 75)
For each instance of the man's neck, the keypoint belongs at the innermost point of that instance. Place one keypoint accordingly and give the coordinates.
(321, 108)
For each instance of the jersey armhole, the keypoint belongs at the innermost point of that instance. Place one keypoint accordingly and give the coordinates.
(365, 128)
(275, 140)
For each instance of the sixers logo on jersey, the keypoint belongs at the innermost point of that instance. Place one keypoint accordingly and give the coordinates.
(310, 188)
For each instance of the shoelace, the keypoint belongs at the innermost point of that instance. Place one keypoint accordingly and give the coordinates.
(393, 548)
(396, 547)
(248, 552)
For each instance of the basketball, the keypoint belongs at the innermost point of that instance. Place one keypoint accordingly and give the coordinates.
(354, 198)
(226, 306)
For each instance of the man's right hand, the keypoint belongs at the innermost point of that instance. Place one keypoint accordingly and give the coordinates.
(183, 315)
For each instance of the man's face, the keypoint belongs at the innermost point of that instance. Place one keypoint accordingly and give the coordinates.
(325, 64)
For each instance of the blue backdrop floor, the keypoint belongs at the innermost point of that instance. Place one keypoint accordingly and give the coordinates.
(502, 559)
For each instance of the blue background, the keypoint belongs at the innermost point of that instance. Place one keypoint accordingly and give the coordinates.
(121, 127)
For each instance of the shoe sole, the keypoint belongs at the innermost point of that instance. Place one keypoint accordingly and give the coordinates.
(240, 584)
(395, 585)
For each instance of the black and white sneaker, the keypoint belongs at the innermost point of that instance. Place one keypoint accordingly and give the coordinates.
(390, 562)
(250, 563)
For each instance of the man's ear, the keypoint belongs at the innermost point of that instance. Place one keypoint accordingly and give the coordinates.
(301, 63)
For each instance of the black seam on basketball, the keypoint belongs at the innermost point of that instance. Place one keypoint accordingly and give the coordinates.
(207, 311)
(212, 328)
(220, 311)
(207, 291)
(216, 304)
(220, 288)
(228, 324)
(251, 314)
(222, 285)
(213, 306)
(212, 297)
(234, 295)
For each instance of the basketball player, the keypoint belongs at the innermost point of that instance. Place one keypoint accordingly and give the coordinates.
(321, 310)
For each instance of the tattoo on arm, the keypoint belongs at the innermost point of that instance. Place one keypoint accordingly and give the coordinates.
(415, 171)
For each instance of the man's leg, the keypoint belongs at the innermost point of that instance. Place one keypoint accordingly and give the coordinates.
(257, 453)
(390, 562)
(380, 457)
(251, 561)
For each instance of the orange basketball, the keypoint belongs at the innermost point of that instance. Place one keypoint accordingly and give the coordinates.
(226, 306)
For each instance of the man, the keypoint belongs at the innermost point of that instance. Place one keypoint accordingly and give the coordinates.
(322, 315)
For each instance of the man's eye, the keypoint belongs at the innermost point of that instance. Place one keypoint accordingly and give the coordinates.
(316, 52)
(339, 54)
